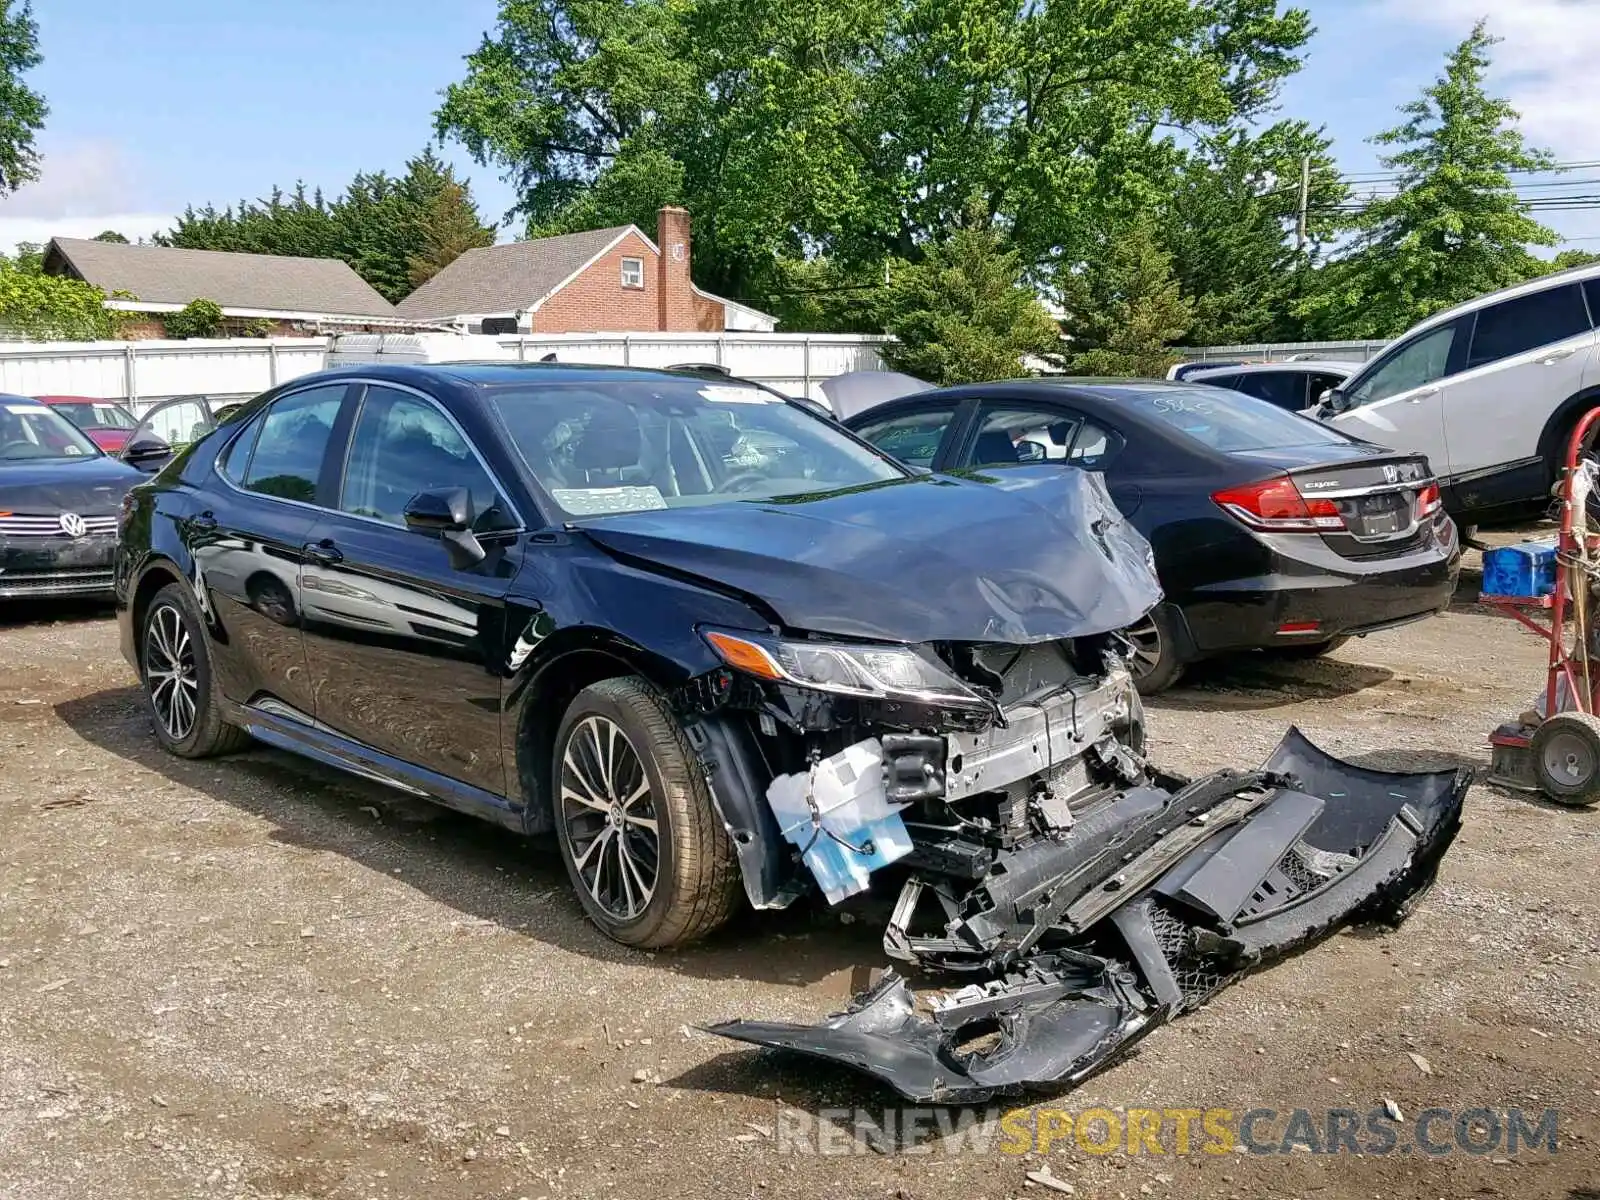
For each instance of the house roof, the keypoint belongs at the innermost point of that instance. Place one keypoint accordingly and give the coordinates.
(508, 278)
(267, 282)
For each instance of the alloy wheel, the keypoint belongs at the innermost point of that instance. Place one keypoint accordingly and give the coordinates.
(170, 673)
(1147, 646)
(612, 825)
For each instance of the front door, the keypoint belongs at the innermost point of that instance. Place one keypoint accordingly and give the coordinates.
(165, 430)
(407, 651)
(248, 545)
(1398, 402)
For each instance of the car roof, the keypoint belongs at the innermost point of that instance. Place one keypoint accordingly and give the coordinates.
(1343, 366)
(482, 374)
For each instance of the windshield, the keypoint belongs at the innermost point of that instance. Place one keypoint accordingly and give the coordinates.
(30, 432)
(1230, 421)
(620, 446)
(95, 414)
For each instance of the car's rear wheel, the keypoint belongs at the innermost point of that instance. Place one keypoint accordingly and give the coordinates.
(1155, 663)
(1305, 650)
(651, 862)
(179, 687)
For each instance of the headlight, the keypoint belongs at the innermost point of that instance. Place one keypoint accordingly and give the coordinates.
(851, 670)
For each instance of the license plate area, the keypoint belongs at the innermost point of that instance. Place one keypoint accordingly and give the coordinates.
(1382, 514)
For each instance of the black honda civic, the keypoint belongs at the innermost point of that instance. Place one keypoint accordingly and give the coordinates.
(728, 653)
(1270, 531)
(59, 499)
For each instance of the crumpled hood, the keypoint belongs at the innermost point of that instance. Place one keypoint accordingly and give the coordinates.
(1010, 555)
(87, 486)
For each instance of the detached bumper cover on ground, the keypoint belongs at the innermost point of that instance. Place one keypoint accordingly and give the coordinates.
(1191, 887)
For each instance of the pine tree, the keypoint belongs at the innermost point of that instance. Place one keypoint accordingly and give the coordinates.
(1454, 227)
(1125, 308)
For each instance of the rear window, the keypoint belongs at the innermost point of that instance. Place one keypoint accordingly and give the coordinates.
(1229, 421)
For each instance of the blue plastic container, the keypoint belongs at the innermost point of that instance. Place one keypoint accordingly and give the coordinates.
(841, 871)
(1525, 571)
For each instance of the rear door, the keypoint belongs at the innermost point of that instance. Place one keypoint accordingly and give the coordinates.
(1007, 432)
(404, 648)
(1526, 356)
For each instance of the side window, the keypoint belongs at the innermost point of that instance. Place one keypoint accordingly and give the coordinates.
(1284, 389)
(1093, 447)
(232, 463)
(1423, 360)
(912, 437)
(402, 445)
(1318, 384)
(288, 452)
(1020, 435)
(1223, 381)
(1526, 323)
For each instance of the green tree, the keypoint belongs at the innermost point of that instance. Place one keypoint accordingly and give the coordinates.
(964, 312)
(1228, 219)
(111, 235)
(197, 319)
(393, 232)
(1125, 308)
(48, 308)
(853, 130)
(1454, 227)
(22, 110)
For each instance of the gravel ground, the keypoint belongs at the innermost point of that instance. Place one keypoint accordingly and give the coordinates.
(255, 977)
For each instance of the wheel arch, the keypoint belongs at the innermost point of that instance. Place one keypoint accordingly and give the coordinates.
(154, 575)
(547, 690)
(1558, 426)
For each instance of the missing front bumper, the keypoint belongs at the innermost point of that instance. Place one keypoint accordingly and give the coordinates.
(1257, 866)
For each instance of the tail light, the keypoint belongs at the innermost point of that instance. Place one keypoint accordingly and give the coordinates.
(1429, 501)
(1277, 506)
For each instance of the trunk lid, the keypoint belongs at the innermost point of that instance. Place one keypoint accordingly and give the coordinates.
(1380, 499)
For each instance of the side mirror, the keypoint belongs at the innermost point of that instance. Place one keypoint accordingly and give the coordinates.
(1332, 401)
(148, 453)
(447, 514)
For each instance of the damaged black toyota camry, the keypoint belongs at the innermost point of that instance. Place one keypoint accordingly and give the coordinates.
(728, 653)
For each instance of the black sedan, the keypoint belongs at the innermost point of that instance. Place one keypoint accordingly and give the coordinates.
(59, 500)
(727, 652)
(1270, 531)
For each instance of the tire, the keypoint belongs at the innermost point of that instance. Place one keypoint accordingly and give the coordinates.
(600, 814)
(179, 688)
(1307, 651)
(1566, 758)
(1155, 663)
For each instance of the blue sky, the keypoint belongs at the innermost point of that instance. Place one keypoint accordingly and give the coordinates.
(194, 100)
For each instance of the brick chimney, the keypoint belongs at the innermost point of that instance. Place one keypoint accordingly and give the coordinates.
(675, 291)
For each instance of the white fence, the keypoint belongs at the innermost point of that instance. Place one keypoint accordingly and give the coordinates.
(142, 373)
(789, 362)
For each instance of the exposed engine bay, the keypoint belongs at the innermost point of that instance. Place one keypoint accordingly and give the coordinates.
(1081, 895)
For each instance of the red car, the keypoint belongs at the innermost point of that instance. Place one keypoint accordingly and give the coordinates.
(106, 422)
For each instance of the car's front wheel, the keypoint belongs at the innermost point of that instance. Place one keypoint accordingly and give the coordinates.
(175, 660)
(651, 862)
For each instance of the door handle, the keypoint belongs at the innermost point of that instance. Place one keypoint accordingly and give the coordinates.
(1550, 360)
(323, 553)
(1424, 394)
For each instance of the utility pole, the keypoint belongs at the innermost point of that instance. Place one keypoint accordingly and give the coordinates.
(1305, 203)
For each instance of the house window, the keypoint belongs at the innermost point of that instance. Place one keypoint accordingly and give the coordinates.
(633, 273)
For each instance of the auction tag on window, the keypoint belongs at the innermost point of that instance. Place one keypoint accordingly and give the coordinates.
(736, 395)
(593, 502)
(24, 410)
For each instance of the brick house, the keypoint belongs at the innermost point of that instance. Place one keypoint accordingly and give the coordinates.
(600, 281)
(266, 293)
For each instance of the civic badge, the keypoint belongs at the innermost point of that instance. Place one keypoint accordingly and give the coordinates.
(1391, 472)
(73, 525)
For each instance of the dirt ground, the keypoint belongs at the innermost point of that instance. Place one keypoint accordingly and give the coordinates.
(255, 977)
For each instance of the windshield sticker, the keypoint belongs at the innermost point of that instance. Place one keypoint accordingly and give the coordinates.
(593, 502)
(25, 410)
(736, 395)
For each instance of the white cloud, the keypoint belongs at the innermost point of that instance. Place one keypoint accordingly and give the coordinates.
(1544, 65)
(40, 230)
